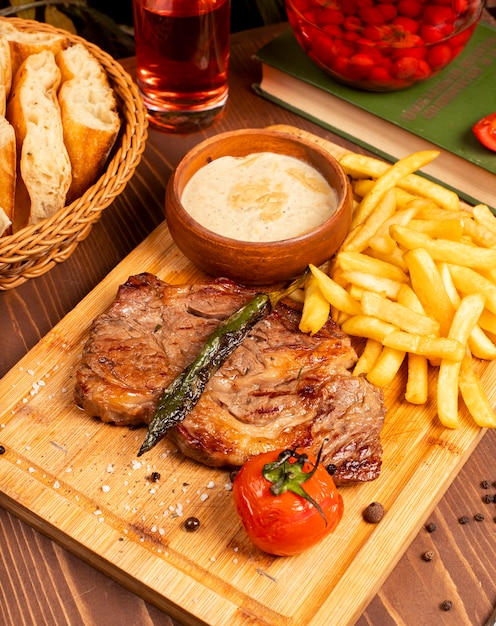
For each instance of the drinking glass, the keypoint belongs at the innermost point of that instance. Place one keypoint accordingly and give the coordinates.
(182, 56)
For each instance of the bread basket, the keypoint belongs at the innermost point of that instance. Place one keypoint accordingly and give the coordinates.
(34, 250)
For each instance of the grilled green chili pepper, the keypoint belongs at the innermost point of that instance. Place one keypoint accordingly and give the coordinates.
(185, 391)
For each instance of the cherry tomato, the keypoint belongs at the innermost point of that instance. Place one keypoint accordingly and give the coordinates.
(485, 131)
(287, 502)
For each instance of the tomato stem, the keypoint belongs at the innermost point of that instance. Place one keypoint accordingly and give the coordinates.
(287, 474)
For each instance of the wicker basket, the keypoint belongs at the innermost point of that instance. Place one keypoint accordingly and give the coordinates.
(35, 249)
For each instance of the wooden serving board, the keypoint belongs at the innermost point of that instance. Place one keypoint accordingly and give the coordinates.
(80, 482)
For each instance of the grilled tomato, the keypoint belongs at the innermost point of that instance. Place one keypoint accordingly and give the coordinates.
(287, 501)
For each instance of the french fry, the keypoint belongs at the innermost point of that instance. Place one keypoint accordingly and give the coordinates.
(336, 295)
(445, 250)
(400, 316)
(407, 297)
(435, 193)
(382, 240)
(316, 308)
(386, 367)
(480, 344)
(369, 356)
(365, 263)
(474, 396)
(368, 327)
(478, 233)
(394, 256)
(430, 347)
(428, 210)
(487, 321)
(468, 281)
(485, 217)
(417, 380)
(388, 180)
(428, 284)
(447, 229)
(447, 393)
(356, 292)
(362, 166)
(362, 187)
(404, 198)
(464, 320)
(358, 238)
(372, 282)
(298, 295)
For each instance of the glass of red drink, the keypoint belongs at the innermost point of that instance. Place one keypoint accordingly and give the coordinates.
(182, 56)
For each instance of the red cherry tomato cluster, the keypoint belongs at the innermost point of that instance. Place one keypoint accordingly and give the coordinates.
(287, 502)
(383, 45)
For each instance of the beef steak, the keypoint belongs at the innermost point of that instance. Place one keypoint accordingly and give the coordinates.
(280, 389)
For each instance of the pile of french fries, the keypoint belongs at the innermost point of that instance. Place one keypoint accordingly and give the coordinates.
(416, 278)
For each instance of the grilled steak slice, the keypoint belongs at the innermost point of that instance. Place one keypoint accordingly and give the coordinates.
(279, 389)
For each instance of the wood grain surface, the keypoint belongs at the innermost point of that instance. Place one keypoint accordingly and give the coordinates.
(45, 584)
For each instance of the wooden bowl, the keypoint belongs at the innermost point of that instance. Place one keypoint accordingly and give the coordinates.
(257, 263)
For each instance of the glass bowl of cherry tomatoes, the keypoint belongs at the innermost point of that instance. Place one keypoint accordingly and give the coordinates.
(383, 45)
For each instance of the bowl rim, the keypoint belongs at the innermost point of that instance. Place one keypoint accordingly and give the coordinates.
(242, 244)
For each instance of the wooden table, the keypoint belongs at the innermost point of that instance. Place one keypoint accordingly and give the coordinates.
(41, 583)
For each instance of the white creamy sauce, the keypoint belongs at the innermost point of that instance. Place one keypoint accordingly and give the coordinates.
(261, 197)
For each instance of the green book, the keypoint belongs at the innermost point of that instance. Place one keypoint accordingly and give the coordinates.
(438, 113)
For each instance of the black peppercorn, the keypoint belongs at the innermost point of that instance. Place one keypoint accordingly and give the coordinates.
(331, 469)
(485, 484)
(447, 605)
(431, 527)
(373, 513)
(428, 556)
(464, 520)
(155, 476)
(479, 517)
(2, 450)
(487, 498)
(191, 524)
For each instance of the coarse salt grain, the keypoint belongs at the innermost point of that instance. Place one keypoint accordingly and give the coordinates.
(136, 464)
(204, 497)
(110, 468)
(105, 488)
(56, 484)
(211, 485)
